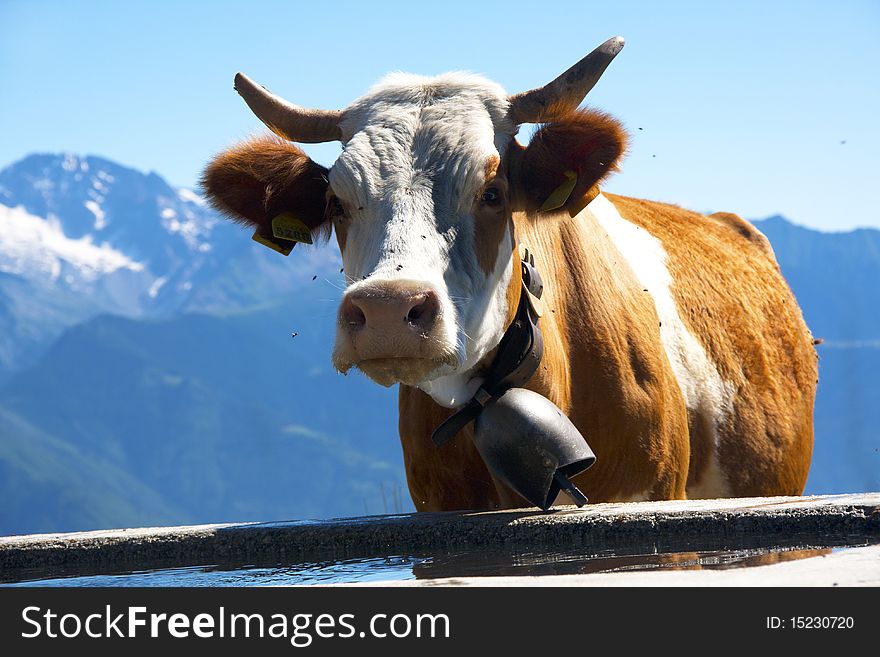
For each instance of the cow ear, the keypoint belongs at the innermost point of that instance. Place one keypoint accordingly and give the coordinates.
(257, 180)
(566, 160)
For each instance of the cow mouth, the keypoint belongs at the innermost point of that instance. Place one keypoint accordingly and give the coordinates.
(409, 371)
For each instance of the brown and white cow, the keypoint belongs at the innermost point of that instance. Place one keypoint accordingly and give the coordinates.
(671, 339)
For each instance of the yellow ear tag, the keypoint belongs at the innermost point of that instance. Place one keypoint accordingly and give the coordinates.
(283, 249)
(560, 195)
(287, 227)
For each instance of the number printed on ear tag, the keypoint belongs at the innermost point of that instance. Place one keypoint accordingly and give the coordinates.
(287, 227)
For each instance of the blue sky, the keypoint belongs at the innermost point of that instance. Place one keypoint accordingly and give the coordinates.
(749, 107)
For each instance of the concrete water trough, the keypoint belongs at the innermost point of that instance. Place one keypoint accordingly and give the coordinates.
(824, 540)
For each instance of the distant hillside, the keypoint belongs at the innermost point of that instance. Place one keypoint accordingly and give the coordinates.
(50, 485)
(213, 419)
(846, 456)
(835, 278)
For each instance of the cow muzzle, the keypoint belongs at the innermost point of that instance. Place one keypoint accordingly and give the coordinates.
(393, 331)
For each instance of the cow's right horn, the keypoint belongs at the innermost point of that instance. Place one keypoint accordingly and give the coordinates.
(567, 91)
(287, 120)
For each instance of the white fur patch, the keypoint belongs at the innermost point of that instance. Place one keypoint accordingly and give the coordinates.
(485, 317)
(705, 392)
(413, 160)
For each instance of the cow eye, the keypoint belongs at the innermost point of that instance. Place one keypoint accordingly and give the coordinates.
(491, 195)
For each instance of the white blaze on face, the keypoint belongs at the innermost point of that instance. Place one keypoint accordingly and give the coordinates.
(414, 159)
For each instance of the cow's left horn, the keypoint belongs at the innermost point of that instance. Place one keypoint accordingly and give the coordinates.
(567, 91)
(287, 120)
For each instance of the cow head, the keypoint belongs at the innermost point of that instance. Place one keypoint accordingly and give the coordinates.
(421, 201)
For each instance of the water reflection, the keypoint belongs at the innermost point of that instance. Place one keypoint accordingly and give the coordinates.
(352, 570)
(471, 564)
(568, 563)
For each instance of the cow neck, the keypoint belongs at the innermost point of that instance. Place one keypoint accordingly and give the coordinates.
(517, 357)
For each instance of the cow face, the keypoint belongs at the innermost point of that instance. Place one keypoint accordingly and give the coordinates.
(421, 201)
(421, 212)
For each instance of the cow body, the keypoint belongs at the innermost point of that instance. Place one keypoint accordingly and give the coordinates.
(671, 340)
(664, 351)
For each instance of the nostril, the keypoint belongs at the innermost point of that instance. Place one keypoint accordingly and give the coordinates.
(352, 315)
(389, 310)
(423, 311)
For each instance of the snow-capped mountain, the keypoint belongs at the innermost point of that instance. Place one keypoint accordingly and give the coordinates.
(113, 204)
(81, 236)
(37, 248)
(93, 218)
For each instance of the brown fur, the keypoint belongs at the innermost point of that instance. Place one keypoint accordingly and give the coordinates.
(744, 228)
(259, 179)
(733, 299)
(603, 366)
(491, 219)
(587, 142)
(440, 480)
